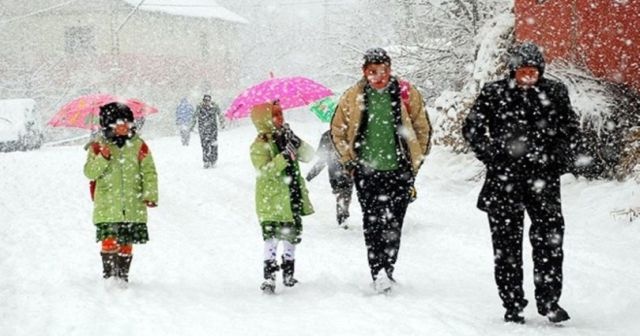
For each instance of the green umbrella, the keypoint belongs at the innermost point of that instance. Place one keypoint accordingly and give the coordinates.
(324, 108)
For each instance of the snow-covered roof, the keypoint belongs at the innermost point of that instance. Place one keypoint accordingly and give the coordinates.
(194, 8)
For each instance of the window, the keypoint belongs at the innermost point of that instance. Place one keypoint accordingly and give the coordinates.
(79, 40)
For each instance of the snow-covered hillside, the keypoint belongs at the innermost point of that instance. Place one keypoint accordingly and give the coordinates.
(200, 273)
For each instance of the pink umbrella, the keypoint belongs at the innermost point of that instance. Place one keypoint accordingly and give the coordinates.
(289, 91)
(84, 111)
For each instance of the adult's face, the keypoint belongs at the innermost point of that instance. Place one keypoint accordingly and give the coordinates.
(527, 76)
(377, 75)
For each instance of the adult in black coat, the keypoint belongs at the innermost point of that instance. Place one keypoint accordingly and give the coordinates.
(207, 116)
(524, 129)
(341, 181)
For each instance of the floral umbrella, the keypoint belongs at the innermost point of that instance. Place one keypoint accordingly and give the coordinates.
(84, 111)
(289, 91)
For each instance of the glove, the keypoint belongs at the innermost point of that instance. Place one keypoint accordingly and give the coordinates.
(291, 137)
(279, 138)
(150, 204)
(290, 152)
(105, 152)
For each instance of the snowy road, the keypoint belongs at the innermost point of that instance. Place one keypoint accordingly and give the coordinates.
(199, 274)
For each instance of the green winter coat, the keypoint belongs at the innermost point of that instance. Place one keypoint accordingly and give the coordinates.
(273, 202)
(123, 183)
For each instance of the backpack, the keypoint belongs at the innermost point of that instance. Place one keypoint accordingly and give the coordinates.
(95, 147)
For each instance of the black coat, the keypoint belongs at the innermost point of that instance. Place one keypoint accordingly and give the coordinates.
(524, 137)
(327, 156)
(207, 116)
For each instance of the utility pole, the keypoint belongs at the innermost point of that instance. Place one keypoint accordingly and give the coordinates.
(115, 40)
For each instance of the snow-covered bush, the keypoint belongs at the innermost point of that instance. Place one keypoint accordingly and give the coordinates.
(450, 109)
(610, 122)
(494, 39)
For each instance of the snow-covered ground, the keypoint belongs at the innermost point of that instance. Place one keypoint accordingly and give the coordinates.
(200, 273)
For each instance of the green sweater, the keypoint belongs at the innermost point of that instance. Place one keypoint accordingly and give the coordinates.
(379, 145)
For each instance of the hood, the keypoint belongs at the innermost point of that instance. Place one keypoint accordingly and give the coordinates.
(111, 112)
(528, 54)
(262, 118)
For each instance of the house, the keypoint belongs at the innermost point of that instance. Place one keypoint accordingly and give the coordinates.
(603, 35)
(158, 52)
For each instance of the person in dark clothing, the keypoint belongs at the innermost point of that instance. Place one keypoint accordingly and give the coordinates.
(524, 130)
(341, 181)
(381, 132)
(207, 116)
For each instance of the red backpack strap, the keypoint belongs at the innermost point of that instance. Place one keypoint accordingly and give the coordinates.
(405, 88)
(95, 147)
(92, 189)
(143, 152)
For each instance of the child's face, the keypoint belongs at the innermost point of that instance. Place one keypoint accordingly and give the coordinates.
(276, 115)
(121, 127)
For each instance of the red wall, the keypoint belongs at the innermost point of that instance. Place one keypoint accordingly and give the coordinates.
(603, 35)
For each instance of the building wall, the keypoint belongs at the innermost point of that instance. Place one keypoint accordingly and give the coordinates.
(602, 35)
(159, 59)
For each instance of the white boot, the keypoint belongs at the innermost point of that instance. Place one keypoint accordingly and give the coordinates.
(382, 284)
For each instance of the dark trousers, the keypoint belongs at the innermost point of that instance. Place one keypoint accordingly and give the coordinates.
(185, 135)
(384, 197)
(209, 141)
(546, 236)
(343, 200)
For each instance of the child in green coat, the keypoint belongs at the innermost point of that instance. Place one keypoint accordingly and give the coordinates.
(124, 184)
(281, 195)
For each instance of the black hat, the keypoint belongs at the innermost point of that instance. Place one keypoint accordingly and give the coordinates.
(527, 54)
(207, 96)
(110, 113)
(376, 56)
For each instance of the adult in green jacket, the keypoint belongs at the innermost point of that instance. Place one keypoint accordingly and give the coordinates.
(124, 184)
(281, 195)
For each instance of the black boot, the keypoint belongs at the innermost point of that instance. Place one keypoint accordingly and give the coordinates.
(513, 316)
(288, 267)
(270, 269)
(513, 312)
(109, 267)
(554, 313)
(124, 262)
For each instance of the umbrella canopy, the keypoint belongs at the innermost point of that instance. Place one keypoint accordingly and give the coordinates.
(289, 91)
(84, 111)
(324, 108)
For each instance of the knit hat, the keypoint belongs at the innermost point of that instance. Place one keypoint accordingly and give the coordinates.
(376, 56)
(110, 113)
(527, 54)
